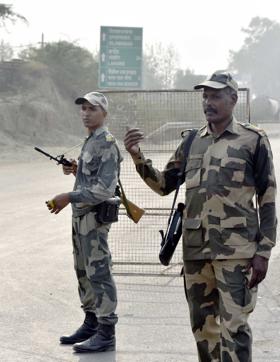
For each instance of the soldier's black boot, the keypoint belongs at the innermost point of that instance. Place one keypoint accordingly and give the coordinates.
(104, 340)
(87, 329)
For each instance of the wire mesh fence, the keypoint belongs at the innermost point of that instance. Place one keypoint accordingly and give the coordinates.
(162, 115)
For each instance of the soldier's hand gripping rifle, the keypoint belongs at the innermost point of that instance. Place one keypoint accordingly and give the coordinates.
(133, 211)
(59, 159)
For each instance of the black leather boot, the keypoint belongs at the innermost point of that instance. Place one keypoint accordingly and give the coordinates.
(87, 329)
(104, 340)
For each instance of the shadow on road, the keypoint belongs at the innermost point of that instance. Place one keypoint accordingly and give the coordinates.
(97, 357)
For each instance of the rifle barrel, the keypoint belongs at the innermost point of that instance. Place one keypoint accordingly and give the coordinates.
(46, 154)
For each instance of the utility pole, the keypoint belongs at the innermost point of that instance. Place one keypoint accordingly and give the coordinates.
(42, 40)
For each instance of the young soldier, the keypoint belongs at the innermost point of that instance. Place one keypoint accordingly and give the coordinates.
(97, 175)
(225, 247)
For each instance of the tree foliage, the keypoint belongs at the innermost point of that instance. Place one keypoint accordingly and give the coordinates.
(160, 65)
(73, 68)
(258, 59)
(7, 14)
(186, 79)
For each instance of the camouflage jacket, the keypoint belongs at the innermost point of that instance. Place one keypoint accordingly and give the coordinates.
(98, 170)
(222, 175)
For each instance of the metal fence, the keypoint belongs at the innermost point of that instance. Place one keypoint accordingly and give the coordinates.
(162, 115)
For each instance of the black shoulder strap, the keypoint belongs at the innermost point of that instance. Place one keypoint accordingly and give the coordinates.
(187, 147)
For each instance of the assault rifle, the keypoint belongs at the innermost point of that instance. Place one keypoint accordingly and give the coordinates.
(59, 159)
(133, 211)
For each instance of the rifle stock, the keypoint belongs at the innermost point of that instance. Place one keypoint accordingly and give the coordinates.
(134, 212)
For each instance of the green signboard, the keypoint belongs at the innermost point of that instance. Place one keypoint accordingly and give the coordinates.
(120, 64)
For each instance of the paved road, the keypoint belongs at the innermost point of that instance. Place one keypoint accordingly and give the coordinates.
(38, 288)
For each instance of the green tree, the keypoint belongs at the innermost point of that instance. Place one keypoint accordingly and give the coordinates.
(258, 59)
(159, 66)
(73, 68)
(7, 14)
(186, 79)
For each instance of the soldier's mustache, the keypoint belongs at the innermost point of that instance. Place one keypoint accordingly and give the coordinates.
(210, 109)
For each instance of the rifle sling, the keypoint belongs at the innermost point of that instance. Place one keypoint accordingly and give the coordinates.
(124, 200)
(187, 147)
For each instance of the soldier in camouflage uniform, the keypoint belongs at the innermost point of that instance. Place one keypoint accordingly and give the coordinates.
(96, 179)
(227, 240)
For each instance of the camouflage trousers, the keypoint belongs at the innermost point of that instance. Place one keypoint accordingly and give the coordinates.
(92, 261)
(220, 303)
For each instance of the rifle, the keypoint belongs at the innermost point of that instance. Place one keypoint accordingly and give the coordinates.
(172, 236)
(59, 159)
(133, 211)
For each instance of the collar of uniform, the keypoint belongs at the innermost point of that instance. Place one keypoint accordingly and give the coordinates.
(204, 131)
(98, 131)
(231, 128)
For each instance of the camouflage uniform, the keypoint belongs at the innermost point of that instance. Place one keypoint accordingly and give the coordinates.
(220, 231)
(96, 180)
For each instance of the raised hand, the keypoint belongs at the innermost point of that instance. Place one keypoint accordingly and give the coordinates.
(132, 139)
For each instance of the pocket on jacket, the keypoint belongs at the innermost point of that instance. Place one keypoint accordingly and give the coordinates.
(93, 163)
(193, 236)
(193, 173)
(234, 231)
(232, 172)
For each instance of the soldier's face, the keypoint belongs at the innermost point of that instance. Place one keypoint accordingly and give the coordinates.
(92, 116)
(218, 104)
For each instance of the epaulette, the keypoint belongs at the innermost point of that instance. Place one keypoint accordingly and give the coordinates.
(110, 138)
(253, 128)
(185, 131)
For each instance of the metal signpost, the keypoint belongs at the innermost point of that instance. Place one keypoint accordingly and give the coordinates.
(120, 58)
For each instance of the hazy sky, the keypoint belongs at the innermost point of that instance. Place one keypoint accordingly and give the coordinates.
(201, 31)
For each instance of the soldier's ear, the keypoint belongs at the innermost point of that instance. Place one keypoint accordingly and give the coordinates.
(234, 98)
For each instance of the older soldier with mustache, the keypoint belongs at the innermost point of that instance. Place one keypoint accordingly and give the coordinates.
(227, 240)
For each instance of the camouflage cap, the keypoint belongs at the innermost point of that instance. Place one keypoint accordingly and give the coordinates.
(219, 80)
(94, 98)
